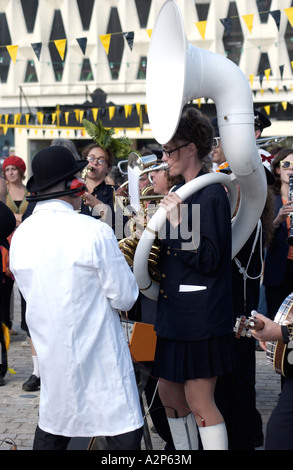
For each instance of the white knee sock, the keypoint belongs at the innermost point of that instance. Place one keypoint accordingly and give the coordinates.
(36, 366)
(184, 432)
(214, 437)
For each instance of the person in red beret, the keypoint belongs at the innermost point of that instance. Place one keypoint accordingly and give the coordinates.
(14, 173)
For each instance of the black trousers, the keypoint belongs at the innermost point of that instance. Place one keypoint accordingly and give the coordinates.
(128, 441)
(279, 433)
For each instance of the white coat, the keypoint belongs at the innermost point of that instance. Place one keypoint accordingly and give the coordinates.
(73, 277)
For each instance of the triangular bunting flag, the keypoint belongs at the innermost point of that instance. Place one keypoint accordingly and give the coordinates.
(268, 109)
(60, 46)
(248, 19)
(138, 108)
(95, 113)
(251, 77)
(111, 112)
(267, 74)
(40, 117)
(54, 115)
(37, 47)
(276, 14)
(81, 115)
(202, 26)
(127, 110)
(261, 77)
(105, 40)
(129, 38)
(289, 13)
(226, 22)
(82, 44)
(149, 32)
(281, 68)
(12, 50)
(77, 114)
(66, 117)
(27, 118)
(284, 104)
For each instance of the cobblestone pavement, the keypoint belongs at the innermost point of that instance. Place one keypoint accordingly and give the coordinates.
(19, 409)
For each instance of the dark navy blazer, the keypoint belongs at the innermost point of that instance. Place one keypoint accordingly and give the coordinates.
(195, 299)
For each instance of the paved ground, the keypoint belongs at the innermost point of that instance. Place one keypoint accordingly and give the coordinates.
(19, 409)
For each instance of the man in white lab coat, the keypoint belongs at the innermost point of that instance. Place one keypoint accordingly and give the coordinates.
(74, 278)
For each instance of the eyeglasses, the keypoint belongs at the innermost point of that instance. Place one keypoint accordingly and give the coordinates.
(285, 164)
(168, 152)
(216, 142)
(100, 161)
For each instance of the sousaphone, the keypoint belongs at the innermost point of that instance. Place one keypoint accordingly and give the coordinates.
(178, 72)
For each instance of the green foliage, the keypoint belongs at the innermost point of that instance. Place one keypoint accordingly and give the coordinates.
(120, 146)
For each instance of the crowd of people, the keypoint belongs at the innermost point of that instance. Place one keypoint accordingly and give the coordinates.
(83, 281)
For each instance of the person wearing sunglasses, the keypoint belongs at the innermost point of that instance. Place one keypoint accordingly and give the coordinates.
(278, 273)
(194, 312)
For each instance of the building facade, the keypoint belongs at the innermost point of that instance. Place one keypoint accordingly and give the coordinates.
(62, 60)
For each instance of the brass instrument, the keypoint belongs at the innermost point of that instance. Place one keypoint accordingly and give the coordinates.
(148, 206)
(267, 141)
(290, 198)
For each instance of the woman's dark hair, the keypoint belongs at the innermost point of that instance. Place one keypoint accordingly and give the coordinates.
(275, 164)
(89, 147)
(195, 127)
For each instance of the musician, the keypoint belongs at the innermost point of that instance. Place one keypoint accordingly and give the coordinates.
(238, 389)
(194, 318)
(278, 273)
(73, 289)
(279, 431)
(99, 196)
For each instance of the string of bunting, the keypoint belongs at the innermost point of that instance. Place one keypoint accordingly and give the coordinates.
(129, 36)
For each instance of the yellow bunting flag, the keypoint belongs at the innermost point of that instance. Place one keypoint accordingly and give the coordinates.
(60, 46)
(289, 13)
(66, 117)
(81, 115)
(54, 115)
(95, 113)
(77, 114)
(127, 110)
(12, 50)
(284, 104)
(27, 119)
(111, 112)
(17, 118)
(202, 26)
(267, 74)
(268, 110)
(149, 32)
(105, 40)
(251, 77)
(248, 19)
(138, 108)
(40, 117)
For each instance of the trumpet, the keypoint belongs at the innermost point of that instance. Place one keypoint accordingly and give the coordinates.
(145, 164)
(85, 172)
(267, 141)
(290, 198)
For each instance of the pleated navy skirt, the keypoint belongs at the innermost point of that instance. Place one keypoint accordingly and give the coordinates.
(179, 361)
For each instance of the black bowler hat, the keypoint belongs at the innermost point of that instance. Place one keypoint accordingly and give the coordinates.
(7, 224)
(51, 166)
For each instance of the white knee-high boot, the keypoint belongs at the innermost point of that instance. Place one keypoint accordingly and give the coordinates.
(184, 432)
(214, 437)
